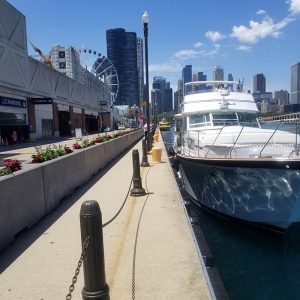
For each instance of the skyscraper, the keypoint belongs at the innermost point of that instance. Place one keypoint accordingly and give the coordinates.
(218, 73)
(140, 67)
(202, 77)
(168, 99)
(259, 83)
(230, 78)
(295, 83)
(176, 102)
(158, 86)
(282, 97)
(180, 93)
(195, 78)
(122, 52)
(186, 77)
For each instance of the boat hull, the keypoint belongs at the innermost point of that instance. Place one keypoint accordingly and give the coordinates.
(164, 128)
(260, 192)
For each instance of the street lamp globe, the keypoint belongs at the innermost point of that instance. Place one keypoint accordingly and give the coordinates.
(145, 18)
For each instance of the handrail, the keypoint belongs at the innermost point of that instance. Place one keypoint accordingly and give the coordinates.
(214, 141)
(236, 141)
(269, 140)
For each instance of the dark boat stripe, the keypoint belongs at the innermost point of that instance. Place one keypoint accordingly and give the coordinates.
(260, 163)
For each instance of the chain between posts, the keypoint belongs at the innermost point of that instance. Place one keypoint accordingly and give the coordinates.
(74, 279)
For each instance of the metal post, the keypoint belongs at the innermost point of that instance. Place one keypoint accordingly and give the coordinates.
(145, 157)
(95, 286)
(137, 189)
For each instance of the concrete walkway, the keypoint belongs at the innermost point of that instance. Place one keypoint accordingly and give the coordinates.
(42, 261)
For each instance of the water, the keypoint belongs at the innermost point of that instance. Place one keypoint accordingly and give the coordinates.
(253, 263)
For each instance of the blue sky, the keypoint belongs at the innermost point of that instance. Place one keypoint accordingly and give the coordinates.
(244, 37)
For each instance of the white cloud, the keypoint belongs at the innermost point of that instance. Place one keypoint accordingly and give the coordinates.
(217, 46)
(244, 48)
(168, 68)
(186, 54)
(214, 36)
(261, 12)
(197, 45)
(294, 6)
(257, 31)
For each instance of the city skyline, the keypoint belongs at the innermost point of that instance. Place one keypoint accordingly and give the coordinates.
(252, 38)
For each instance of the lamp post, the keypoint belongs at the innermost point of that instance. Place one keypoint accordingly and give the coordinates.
(145, 20)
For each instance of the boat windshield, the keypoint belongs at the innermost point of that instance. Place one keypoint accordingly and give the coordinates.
(248, 119)
(199, 120)
(223, 119)
(234, 118)
(228, 118)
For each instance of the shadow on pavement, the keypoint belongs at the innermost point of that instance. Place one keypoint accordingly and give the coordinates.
(27, 237)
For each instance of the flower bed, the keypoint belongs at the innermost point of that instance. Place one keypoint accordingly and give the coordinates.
(54, 151)
(11, 165)
(49, 153)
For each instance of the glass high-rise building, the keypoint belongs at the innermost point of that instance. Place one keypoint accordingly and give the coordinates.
(295, 84)
(176, 102)
(201, 77)
(230, 78)
(122, 52)
(282, 97)
(259, 83)
(168, 99)
(218, 73)
(162, 95)
(140, 67)
(186, 77)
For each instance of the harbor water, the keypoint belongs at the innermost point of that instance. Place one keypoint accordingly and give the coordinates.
(253, 263)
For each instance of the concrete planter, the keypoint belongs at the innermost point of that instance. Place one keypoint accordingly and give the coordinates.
(22, 203)
(27, 195)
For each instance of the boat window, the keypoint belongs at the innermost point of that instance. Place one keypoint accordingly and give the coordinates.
(198, 120)
(228, 118)
(178, 125)
(248, 119)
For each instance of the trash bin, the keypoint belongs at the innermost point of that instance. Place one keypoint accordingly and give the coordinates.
(156, 154)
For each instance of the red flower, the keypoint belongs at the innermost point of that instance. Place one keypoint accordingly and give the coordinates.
(12, 165)
(76, 146)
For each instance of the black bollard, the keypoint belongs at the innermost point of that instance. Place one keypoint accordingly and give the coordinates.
(145, 157)
(95, 286)
(137, 189)
(149, 141)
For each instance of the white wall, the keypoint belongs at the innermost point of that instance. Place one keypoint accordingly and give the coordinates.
(42, 111)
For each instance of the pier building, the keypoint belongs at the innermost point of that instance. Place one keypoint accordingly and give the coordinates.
(36, 100)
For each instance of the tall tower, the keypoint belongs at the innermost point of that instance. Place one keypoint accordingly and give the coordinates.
(159, 85)
(230, 78)
(282, 97)
(168, 98)
(186, 77)
(202, 77)
(295, 83)
(218, 73)
(122, 52)
(259, 83)
(140, 68)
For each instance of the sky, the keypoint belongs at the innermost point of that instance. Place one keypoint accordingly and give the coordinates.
(245, 37)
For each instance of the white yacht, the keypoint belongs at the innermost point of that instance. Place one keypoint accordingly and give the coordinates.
(232, 166)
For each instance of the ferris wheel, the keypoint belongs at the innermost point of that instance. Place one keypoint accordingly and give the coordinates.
(104, 70)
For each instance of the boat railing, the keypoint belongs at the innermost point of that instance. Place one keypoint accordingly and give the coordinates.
(236, 141)
(259, 156)
(188, 141)
(213, 141)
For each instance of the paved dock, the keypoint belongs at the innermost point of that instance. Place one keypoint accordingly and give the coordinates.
(40, 264)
